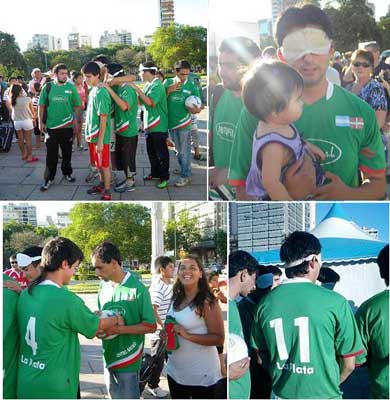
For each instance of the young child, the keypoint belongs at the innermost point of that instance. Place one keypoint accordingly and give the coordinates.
(98, 129)
(272, 92)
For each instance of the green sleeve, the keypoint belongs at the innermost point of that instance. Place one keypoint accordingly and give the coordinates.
(146, 309)
(373, 141)
(156, 94)
(363, 328)
(240, 158)
(167, 83)
(43, 96)
(196, 91)
(76, 97)
(103, 102)
(347, 338)
(257, 339)
(80, 318)
(10, 303)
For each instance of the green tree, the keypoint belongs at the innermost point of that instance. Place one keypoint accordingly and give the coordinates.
(128, 226)
(176, 42)
(21, 240)
(12, 227)
(184, 232)
(384, 28)
(36, 58)
(11, 59)
(220, 240)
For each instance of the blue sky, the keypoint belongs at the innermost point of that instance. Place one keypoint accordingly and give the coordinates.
(372, 215)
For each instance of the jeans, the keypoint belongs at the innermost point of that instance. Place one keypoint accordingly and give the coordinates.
(182, 139)
(122, 385)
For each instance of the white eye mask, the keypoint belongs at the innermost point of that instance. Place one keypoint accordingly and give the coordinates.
(305, 41)
(301, 260)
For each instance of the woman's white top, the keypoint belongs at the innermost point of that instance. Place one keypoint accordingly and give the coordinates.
(21, 110)
(193, 364)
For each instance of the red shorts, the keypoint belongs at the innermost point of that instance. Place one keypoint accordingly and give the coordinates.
(102, 161)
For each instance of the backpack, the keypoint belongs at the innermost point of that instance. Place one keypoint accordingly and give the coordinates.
(44, 116)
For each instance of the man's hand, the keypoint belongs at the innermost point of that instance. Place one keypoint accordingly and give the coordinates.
(194, 110)
(335, 190)
(218, 176)
(238, 368)
(12, 285)
(42, 126)
(99, 147)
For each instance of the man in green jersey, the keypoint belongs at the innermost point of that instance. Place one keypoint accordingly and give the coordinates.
(302, 331)
(179, 117)
(10, 339)
(49, 320)
(342, 125)
(98, 129)
(235, 56)
(154, 101)
(373, 322)
(242, 278)
(58, 102)
(123, 293)
(125, 128)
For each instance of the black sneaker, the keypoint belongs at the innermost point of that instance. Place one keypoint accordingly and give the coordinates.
(46, 185)
(70, 178)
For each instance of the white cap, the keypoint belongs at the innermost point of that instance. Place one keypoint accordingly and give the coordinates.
(24, 260)
(336, 54)
(35, 70)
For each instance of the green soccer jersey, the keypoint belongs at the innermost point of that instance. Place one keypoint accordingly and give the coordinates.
(178, 115)
(99, 103)
(238, 388)
(373, 322)
(340, 123)
(126, 121)
(132, 300)
(62, 100)
(156, 115)
(226, 115)
(303, 329)
(10, 341)
(49, 321)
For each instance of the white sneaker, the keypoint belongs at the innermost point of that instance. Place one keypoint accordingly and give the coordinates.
(183, 182)
(157, 392)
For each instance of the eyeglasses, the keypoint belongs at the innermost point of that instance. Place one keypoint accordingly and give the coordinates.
(361, 64)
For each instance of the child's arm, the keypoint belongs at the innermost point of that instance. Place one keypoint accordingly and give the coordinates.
(123, 105)
(316, 151)
(102, 130)
(272, 156)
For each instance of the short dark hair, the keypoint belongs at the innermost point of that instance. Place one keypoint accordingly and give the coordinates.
(150, 66)
(114, 68)
(102, 58)
(245, 49)
(162, 262)
(75, 75)
(211, 275)
(383, 263)
(269, 269)
(182, 64)
(107, 252)
(58, 67)
(11, 78)
(366, 54)
(91, 68)
(240, 260)
(268, 87)
(299, 245)
(37, 86)
(295, 17)
(13, 256)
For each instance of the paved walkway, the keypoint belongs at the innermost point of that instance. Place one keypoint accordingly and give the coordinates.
(91, 376)
(21, 181)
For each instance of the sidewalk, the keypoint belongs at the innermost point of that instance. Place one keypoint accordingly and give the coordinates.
(21, 181)
(91, 375)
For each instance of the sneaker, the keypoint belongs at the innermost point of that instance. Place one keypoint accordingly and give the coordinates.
(177, 171)
(150, 178)
(182, 182)
(162, 185)
(46, 185)
(96, 189)
(106, 196)
(70, 178)
(125, 186)
(92, 175)
(157, 392)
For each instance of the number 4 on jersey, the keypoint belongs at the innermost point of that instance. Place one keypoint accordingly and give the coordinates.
(304, 342)
(30, 335)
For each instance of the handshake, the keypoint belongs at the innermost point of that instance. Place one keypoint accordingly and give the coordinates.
(110, 323)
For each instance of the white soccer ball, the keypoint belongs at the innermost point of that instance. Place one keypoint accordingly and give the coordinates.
(237, 349)
(193, 101)
(107, 314)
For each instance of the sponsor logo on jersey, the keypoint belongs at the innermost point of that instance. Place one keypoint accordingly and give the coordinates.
(68, 91)
(31, 363)
(225, 131)
(295, 369)
(332, 151)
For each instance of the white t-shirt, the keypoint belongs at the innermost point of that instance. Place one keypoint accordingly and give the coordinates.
(161, 295)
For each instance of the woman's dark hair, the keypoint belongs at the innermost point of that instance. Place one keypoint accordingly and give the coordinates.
(211, 275)
(296, 246)
(91, 68)
(107, 252)
(268, 87)
(161, 74)
(367, 55)
(295, 17)
(37, 86)
(57, 68)
(15, 92)
(204, 294)
(54, 253)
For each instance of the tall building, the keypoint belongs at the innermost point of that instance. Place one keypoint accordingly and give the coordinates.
(264, 226)
(63, 219)
(166, 12)
(85, 41)
(122, 37)
(58, 44)
(73, 41)
(278, 6)
(45, 42)
(21, 213)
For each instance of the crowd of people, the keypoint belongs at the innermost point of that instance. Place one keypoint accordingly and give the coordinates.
(292, 338)
(100, 103)
(302, 121)
(42, 320)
